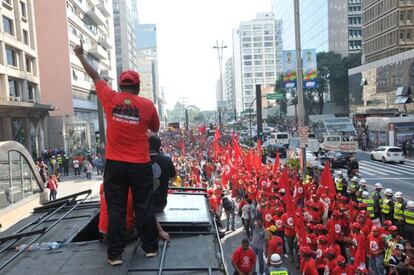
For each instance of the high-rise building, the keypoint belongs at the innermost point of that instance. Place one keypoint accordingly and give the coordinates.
(354, 26)
(125, 42)
(60, 26)
(323, 24)
(146, 41)
(23, 117)
(387, 29)
(229, 95)
(259, 44)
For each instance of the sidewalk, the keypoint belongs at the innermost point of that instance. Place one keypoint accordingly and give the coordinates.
(74, 184)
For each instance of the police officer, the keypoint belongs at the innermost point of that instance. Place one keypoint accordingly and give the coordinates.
(276, 267)
(370, 204)
(387, 208)
(363, 185)
(340, 183)
(377, 198)
(354, 183)
(409, 221)
(59, 160)
(399, 207)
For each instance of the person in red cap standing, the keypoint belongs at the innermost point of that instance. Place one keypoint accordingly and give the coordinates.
(129, 117)
(375, 252)
(309, 265)
(342, 268)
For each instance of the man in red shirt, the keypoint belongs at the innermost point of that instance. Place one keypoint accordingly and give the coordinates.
(309, 265)
(342, 268)
(375, 251)
(129, 117)
(290, 233)
(244, 259)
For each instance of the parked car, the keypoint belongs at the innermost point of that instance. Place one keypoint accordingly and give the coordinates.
(388, 154)
(271, 150)
(311, 159)
(336, 159)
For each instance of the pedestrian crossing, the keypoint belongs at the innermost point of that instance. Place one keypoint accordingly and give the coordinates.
(375, 168)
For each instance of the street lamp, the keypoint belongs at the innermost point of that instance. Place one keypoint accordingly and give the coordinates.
(220, 60)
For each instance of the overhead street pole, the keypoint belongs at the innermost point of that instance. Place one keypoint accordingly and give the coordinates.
(220, 60)
(299, 85)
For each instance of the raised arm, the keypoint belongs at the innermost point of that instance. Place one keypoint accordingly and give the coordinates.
(88, 68)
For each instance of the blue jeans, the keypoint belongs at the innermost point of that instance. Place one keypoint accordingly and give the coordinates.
(259, 252)
(376, 264)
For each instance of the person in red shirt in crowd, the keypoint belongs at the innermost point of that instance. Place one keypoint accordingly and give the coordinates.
(330, 260)
(384, 231)
(336, 224)
(241, 204)
(320, 252)
(274, 245)
(375, 251)
(311, 239)
(358, 244)
(365, 227)
(128, 164)
(267, 215)
(244, 259)
(309, 265)
(289, 232)
(342, 268)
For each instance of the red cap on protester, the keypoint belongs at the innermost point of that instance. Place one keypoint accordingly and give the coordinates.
(306, 250)
(336, 213)
(340, 259)
(323, 238)
(129, 78)
(393, 228)
(330, 250)
(374, 228)
(388, 223)
(356, 225)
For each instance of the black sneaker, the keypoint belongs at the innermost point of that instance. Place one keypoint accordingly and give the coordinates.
(114, 261)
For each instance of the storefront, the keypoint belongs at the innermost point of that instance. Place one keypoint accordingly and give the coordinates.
(390, 131)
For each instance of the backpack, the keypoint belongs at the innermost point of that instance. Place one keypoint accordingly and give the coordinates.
(227, 204)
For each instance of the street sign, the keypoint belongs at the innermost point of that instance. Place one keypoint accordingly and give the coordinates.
(303, 140)
(271, 96)
(303, 132)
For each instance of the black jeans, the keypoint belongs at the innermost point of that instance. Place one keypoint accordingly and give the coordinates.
(118, 177)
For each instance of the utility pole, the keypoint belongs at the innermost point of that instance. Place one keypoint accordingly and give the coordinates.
(220, 60)
(299, 85)
(259, 112)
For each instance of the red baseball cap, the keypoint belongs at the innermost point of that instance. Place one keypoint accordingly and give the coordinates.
(129, 78)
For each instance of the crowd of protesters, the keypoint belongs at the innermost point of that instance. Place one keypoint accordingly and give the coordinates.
(322, 223)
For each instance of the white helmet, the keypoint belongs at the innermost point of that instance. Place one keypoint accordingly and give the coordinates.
(378, 185)
(388, 191)
(365, 194)
(275, 259)
(410, 204)
(339, 173)
(355, 178)
(398, 195)
(362, 181)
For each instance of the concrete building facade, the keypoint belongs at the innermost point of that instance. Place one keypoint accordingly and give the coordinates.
(229, 95)
(324, 24)
(74, 123)
(260, 44)
(125, 41)
(354, 26)
(388, 27)
(23, 112)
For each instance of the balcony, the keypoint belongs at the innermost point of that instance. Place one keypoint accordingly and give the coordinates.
(104, 8)
(105, 42)
(96, 16)
(98, 52)
(106, 75)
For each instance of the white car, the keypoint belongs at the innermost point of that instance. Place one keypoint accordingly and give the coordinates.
(311, 159)
(388, 154)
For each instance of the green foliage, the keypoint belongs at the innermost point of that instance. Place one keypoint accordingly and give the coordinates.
(293, 163)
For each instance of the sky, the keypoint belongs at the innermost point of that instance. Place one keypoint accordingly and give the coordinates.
(187, 30)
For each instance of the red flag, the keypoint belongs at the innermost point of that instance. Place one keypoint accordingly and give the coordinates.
(300, 226)
(276, 163)
(259, 147)
(284, 183)
(326, 179)
(216, 144)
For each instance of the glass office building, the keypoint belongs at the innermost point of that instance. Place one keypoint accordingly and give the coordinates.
(324, 24)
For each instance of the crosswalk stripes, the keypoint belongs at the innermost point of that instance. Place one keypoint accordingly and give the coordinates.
(363, 168)
(399, 168)
(379, 168)
(371, 168)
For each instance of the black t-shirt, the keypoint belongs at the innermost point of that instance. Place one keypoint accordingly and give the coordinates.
(166, 171)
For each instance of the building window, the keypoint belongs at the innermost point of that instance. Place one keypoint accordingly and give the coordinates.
(408, 35)
(13, 91)
(402, 35)
(11, 57)
(23, 9)
(26, 37)
(32, 91)
(29, 65)
(8, 25)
